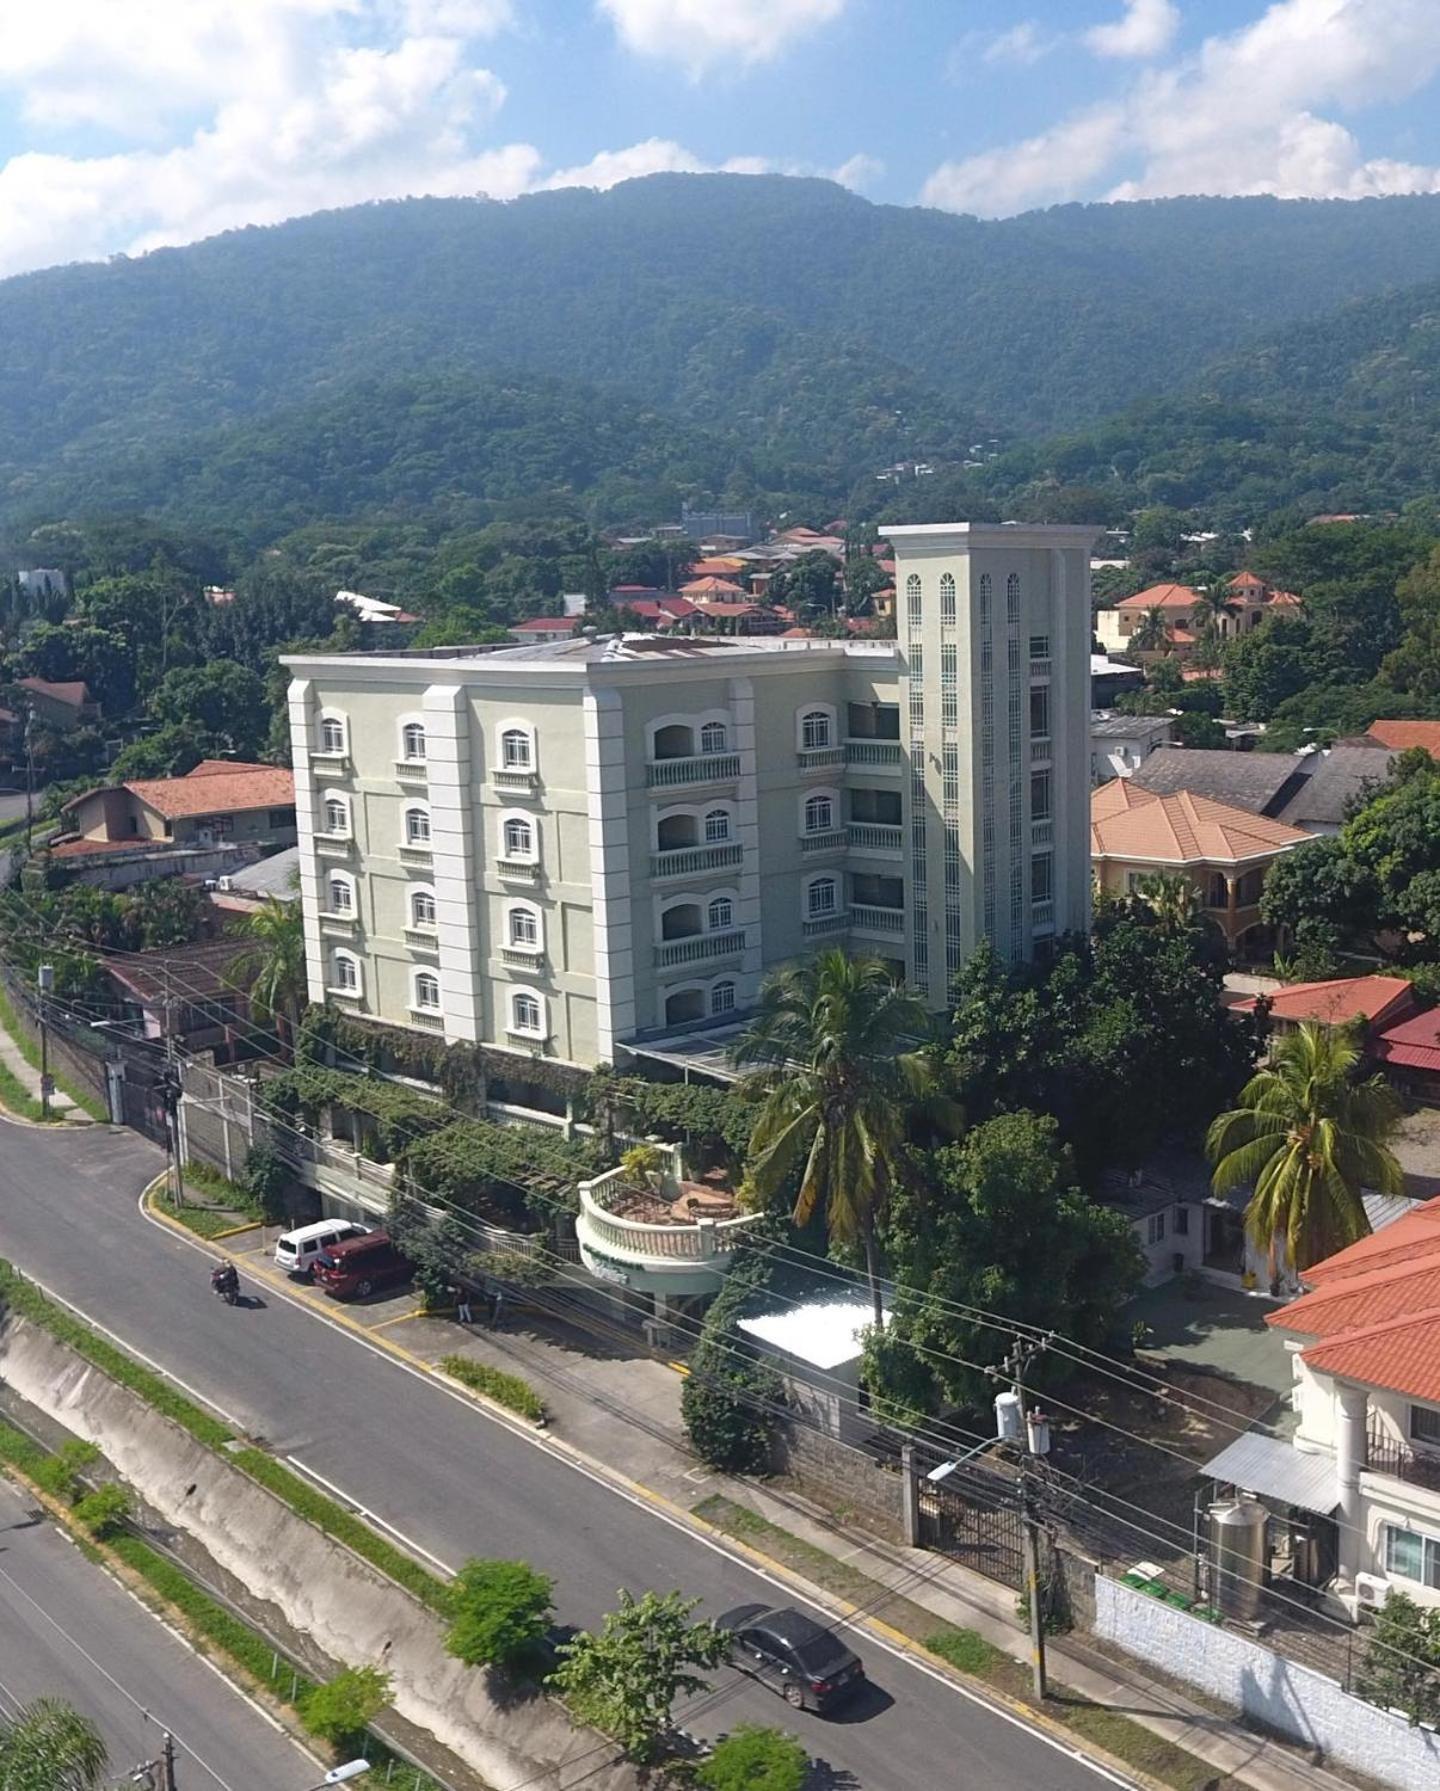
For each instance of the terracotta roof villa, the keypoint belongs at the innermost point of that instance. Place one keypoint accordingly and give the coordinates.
(220, 800)
(1379, 1001)
(1225, 851)
(1251, 599)
(1399, 736)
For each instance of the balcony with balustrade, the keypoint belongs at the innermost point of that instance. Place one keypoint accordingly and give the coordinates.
(682, 757)
(658, 1234)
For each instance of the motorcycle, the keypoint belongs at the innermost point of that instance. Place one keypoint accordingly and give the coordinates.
(226, 1283)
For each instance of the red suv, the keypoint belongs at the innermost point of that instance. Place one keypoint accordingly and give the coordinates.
(351, 1270)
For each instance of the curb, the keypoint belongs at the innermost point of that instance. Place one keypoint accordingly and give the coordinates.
(896, 1639)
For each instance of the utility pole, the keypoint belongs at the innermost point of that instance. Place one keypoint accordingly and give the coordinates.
(167, 1764)
(1013, 1369)
(29, 776)
(45, 977)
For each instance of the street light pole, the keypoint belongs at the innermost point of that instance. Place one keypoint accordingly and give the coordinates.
(1013, 1367)
(45, 977)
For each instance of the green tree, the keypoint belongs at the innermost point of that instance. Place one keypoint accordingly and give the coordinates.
(1153, 633)
(224, 699)
(969, 1231)
(836, 1066)
(500, 1612)
(170, 751)
(1195, 730)
(750, 1758)
(1321, 884)
(1401, 1668)
(728, 1398)
(48, 1746)
(100, 658)
(273, 970)
(340, 1710)
(1310, 1139)
(1171, 900)
(625, 1679)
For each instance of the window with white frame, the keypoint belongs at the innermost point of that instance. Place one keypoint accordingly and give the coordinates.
(717, 826)
(819, 814)
(345, 973)
(1425, 1425)
(720, 915)
(422, 907)
(526, 1013)
(341, 892)
(427, 991)
(417, 827)
(332, 734)
(523, 928)
(815, 729)
(947, 597)
(722, 998)
(412, 741)
(913, 602)
(337, 815)
(517, 749)
(517, 837)
(822, 897)
(713, 737)
(1412, 1555)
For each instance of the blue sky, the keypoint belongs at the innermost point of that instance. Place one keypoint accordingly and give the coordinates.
(125, 124)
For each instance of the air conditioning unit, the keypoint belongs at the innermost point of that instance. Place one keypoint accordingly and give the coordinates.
(1371, 1591)
(223, 883)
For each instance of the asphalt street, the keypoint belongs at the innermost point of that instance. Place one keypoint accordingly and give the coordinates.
(68, 1631)
(449, 1478)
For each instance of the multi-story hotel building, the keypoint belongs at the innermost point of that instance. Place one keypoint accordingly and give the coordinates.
(567, 848)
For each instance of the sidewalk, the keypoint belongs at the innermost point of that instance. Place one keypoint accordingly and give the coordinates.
(609, 1400)
(28, 1077)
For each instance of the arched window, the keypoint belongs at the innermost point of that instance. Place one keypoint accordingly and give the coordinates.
(417, 827)
(947, 597)
(422, 907)
(722, 998)
(713, 737)
(517, 750)
(518, 837)
(815, 730)
(717, 826)
(822, 897)
(1012, 597)
(526, 1014)
(345, 972)
(332, 734)
(720, 916)
(987, 588)
(427, 991)
(819, 814)
(341, 892)
(913, 606)
(412, 741)
(337, 815)
(524, 926)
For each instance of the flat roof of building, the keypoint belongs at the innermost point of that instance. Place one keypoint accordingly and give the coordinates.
(822, 1333)
(614, 649)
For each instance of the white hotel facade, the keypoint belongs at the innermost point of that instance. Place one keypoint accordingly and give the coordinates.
(566, 849)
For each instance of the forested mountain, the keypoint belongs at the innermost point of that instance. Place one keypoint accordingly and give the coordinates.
(814, 335)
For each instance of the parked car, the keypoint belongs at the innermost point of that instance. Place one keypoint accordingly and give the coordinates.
(807, 1664)
(296, 1251)
(351, 1270)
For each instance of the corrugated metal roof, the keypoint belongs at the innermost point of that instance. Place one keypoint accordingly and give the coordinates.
(1276, 1470)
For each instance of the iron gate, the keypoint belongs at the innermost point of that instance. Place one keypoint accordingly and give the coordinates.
(981, 1534)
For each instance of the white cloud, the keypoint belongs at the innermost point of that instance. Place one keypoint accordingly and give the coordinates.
(458, 18)
(1147, 29)
(1247, 113)
(1023, 44)
(859, 172)
(705, 34)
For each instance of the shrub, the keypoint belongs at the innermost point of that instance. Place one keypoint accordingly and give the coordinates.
(505, 1389)
(500, 1612)
(755, 1759)
(58, 1474)
(341, 1709)
(266, 1179)
(729, 1394)
(103, 1512)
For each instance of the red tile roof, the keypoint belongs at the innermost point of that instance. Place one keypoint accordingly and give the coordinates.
(1398, 735)
(1163, 596)
(1376, 999)
(1401, 1355)
(712, 587)
(1143, 827)
(1414, 1044)
(216, 787)
(1410, 1237)
(85, 848)
(548, 625)
(74, 693)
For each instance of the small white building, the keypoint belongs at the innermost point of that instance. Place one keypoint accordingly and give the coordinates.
(42, 581)
(817, 1350)
(1120, 744)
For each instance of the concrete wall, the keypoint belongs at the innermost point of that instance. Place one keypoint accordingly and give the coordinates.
(1273, 1693)
(350, 1609)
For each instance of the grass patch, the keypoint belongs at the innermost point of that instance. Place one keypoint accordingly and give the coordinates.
(505, 1389)
(16, 1098)
(230, 1206)
(967, 1651)
(29, 1049)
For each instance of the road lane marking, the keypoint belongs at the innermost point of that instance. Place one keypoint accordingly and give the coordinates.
(338, 1493)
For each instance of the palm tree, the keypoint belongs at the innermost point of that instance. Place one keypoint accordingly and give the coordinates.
(838, 1070)
(47, 1746)
(1153, 634)
(1172, 899)
(1310, 1138)
(274, 969)
(1213, 606)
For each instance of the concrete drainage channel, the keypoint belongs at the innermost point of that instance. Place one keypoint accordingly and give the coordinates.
(406, 1757)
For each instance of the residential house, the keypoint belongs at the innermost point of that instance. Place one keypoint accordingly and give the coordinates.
(1376, 1002)
(62, 706)
(711, 589)
(1313, 791)
(1110, 679)
(657, 614)
(196, 994)
(817, 1349)
(1400, 736)
(1120, 744)
(1224, 851)
(716, 615)
(1409, 1051)
(220, 800)
(1251, 600)
(546, 628)
(42, 581)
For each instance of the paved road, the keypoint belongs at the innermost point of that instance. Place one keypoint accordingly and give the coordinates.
(68, 1631)
(454, 1481)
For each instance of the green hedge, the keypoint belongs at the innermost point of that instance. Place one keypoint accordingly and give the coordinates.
(716, 1118)
(500, 1173)
(505, 1389)
(399, 1115)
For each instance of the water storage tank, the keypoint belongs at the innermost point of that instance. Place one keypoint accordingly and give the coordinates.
(1237, 1557)
(1009, 1419)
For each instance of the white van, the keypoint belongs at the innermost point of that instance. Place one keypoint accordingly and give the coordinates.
(296, 1251)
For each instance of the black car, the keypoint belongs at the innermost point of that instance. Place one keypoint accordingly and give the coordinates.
(794, 1655)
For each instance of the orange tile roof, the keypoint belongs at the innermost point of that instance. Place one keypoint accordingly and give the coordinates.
(1414, 1044)
(712, 587)
(1399, 735)
(74, 693)
(1163, 596)
(1409, 1238)
(1245, 578)
(1401, 1355)
(219, 789)
(1340, 999)
(717, 565)
(1142, 827)
(1355, 1302)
